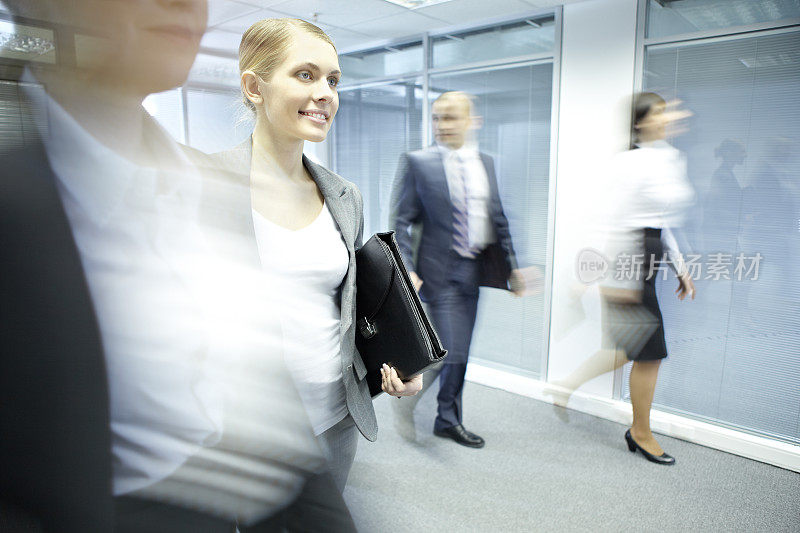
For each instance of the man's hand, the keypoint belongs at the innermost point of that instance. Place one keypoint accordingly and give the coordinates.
(685, 286)
(393, 385)
(517, 282)
(415, 280)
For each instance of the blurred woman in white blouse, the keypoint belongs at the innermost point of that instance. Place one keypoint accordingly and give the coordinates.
(650, 194)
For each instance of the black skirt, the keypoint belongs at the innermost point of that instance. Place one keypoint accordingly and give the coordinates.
(638, 329)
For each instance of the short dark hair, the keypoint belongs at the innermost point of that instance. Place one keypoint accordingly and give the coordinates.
(643, 103)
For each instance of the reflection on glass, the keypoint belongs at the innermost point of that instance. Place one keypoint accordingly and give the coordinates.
(27, 43)
(511, 40)
(389, 61)
(671, 17)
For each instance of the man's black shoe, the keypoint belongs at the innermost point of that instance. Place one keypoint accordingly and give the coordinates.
(461, 436)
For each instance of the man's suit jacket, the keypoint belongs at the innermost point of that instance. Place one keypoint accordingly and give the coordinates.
(347, 208)
(55, 444)
(423, 198)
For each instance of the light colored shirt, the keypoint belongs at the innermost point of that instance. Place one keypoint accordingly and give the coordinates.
(307, 267)
(648, 188)
(651, 186)
(467, 160)
(134, 242)
(202, 409)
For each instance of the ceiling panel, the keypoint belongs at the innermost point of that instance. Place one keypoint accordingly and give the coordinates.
(262, 3)
(466, 11)
(343, 38)
(241, 24)
(549, 3)
(220, 11)
(221, 40)
(407, 23)
(354, 23)
(342, 13)
(496, 81)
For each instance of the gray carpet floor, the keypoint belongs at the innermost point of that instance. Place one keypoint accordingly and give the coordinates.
(538, 473)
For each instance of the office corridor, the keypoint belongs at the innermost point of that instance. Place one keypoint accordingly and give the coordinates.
(537, 473)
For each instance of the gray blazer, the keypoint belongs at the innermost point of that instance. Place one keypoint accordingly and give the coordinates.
(347, 208)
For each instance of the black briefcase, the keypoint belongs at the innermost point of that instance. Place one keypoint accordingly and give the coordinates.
(393, 328)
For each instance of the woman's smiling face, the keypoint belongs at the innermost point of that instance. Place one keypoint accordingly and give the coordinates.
(301, 97)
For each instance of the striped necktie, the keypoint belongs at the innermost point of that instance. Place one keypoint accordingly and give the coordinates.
(460, 209)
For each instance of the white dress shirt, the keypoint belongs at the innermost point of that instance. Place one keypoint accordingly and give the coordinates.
(307, 274)
(478, 195)
(203, 411)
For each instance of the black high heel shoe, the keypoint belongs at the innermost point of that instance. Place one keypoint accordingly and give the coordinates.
(663, 459)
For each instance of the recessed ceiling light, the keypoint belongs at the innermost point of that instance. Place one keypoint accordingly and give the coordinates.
(415, 4)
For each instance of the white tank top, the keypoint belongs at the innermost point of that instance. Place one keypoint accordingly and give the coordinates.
(305, 269)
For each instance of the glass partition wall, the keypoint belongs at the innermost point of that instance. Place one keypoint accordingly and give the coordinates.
(373, 127)
(207, 113)
(385, 111)
(735, 350)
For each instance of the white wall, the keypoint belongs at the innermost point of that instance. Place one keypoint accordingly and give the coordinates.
(597, 76)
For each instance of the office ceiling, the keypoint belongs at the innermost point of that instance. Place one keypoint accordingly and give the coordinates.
(355, 23)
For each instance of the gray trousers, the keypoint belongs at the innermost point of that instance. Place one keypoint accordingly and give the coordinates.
(338, 445)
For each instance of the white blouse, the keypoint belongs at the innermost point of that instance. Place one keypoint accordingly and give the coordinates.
(648, 188)
(651, 187)
(305, 269)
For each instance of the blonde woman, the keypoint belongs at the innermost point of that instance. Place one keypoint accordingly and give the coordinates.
(308, 223)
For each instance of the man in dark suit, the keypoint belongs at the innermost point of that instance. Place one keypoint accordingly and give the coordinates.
(449, 191)
(56, 439)
(108, 419)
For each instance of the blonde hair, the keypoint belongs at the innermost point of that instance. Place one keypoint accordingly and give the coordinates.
(264, 46)
(460, 97)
